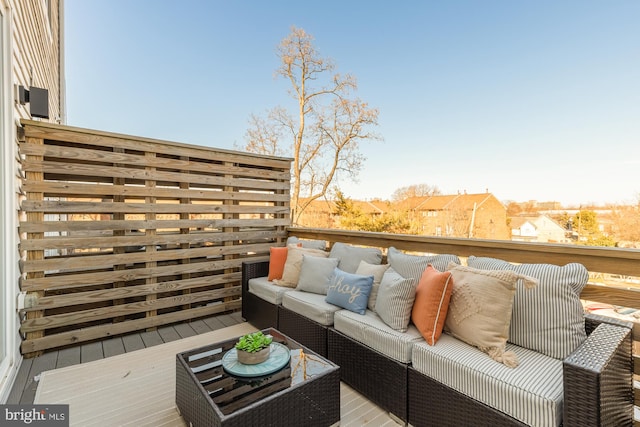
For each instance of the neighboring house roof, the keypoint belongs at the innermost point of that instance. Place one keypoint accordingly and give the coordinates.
(367, 207)
(456, 201)
(519, 221)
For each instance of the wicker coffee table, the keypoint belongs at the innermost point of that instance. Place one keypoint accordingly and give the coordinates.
(306, 391)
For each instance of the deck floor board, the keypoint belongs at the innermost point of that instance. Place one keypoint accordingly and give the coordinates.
(140, 403)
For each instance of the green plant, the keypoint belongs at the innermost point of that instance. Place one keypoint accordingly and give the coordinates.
(254, 342)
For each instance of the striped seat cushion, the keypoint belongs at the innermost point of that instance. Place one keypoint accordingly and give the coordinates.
(268, 291)
(548, 318)
(531, 393)
(310, 305)
(370, 330)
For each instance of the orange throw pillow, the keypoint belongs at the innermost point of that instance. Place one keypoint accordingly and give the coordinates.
(276, 262)
(432, 303)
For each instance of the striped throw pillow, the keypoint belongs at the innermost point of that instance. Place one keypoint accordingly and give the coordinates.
(395, 299)
(548, 318)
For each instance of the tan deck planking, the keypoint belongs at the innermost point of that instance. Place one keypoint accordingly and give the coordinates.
(138, 388)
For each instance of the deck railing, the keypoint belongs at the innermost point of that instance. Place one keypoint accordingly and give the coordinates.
(120, 233)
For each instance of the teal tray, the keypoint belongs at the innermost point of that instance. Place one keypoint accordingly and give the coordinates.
(279, 356)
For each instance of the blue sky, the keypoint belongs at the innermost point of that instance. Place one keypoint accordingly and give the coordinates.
(530, 100)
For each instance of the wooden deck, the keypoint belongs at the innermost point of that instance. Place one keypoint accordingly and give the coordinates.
(75, 385)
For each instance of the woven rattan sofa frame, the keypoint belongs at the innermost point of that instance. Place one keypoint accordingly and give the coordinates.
(264, 314)
(597, 377)
(385, 380)
(260, 313)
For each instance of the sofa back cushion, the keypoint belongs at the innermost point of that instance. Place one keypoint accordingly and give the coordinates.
(412, 266)
(350, 256)
(480, 309)
(396, 295)
(315, 274)
(548, 318)
(291, 271)
(377, 271)
(307, 244)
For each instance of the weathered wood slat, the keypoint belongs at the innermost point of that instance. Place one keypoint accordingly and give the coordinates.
(95, 262)
(68, 207)
(104, 277)
(84, 155)
(131, 291)
(109, 330)
(122, 229)
(71, 170)
(73, 190)
(160, 224)
(166, 239)
(95, 138)
(627, 297)
(76, 317)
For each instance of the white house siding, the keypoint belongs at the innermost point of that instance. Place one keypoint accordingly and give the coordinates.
(32, 44)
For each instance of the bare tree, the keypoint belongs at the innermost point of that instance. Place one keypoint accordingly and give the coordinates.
(415, 190)
(323, 135)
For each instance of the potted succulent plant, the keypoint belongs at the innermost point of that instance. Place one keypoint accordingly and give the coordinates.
(253, 348)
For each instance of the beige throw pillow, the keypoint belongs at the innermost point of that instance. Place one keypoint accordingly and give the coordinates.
(480, 309)
(293, 264)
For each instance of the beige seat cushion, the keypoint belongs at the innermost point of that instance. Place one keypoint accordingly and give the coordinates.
(268, 291)
(311, 306)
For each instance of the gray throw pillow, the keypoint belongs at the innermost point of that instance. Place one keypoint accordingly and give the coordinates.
(414, 265)
(315, 274)
(307, 244)
(350, 256)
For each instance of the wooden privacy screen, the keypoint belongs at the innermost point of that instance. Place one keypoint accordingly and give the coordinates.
(120, 233)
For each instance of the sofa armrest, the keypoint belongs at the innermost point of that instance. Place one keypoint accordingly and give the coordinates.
(251, 270)
(592, 321)
(598, 377)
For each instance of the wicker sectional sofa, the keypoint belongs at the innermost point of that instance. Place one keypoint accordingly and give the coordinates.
(451, 382)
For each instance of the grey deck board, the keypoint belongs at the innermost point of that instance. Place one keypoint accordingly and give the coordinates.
(42, 363)
(213, 323)
(20, 382)
(151, 338)
(68, 356)
(227, 320)
(24, 386)
(90, 352)
(185, 330)
(200, 327)
(132, 342)
(113, 347)
(168, 334)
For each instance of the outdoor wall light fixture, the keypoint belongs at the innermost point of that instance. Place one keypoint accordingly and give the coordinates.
(38, 100)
